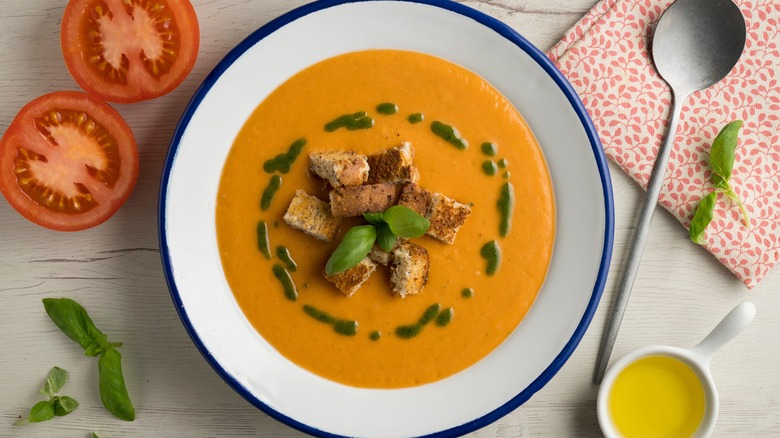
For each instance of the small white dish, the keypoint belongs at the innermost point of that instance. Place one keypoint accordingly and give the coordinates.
(559, 317)
(697, 358)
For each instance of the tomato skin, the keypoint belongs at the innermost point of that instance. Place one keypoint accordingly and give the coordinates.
(25, 132)
(79, 51)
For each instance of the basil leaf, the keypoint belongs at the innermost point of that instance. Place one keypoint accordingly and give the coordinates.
(722, 151)
(64, 405)
(384, 237)
(74, 321)
(113, 392)
(720, 182)
(54, 381)
(94, 435)
(374, 218)
(702, 218)
(42, 411)
(405, 222)
(354, 247)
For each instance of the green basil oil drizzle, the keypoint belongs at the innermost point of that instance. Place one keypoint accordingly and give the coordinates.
(269, 192)
(340, 326)
(489, 168)
(387, 108)
(445, 317)
(415, 118)
(284, 255)
(283, 162)
(290, 292)
(467, 292)
(502, 163)
(449, 134)
(262, 239)
(412, 330)
(506, 206)
(507, 175)
(489, 149)
(350, 122)
(492, 255)
(375, 335)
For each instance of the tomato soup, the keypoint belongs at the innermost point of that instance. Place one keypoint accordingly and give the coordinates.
(478, 289)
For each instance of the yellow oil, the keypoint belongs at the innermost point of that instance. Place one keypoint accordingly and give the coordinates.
(657, 396)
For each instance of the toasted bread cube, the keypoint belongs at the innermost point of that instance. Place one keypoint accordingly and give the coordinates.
(349, 281)
(446, 216)
(409, 269)
(415, 198)
(340, 168)
(312, 216)
(356, 200)
(393, 166)
(380, 256)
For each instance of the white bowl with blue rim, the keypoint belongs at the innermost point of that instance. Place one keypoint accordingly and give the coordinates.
(559, 317)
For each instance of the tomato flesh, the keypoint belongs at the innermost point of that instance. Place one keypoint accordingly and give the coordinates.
(68, 161)
(129, 50)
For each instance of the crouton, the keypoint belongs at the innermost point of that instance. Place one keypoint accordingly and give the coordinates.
(409, 269)
(380, 256)
(393, 166)
(349, 281)
(340, 168)
(415, 198)
(312, 216)
(446, 216)
(356, 200)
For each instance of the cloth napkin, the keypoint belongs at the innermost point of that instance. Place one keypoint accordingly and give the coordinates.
(606, 57)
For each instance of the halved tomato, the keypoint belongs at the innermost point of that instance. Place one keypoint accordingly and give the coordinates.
(129, 50)
(68, 161)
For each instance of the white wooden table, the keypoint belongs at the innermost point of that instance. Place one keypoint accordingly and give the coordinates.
(114, 270)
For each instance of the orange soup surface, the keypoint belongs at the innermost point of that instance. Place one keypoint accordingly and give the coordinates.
(473, 312)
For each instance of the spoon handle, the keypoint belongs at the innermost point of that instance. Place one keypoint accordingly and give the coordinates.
(637, 245)
(730, 326)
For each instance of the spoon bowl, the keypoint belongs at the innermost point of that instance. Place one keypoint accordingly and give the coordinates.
(696, 44)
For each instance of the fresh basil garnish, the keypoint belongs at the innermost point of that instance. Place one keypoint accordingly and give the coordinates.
(384, 237)
(722, 152)
(55, 380)
(64, 405)
(55, 405)
(385, 228)
(702, 218)
(113, 392)
(354, 247)
(374, 218)
(74, 321)
(722, 156)
(405, 222)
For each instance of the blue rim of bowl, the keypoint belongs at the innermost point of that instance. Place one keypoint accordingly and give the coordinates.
(506, 32)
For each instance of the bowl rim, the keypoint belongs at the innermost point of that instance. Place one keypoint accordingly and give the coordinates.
(510, 35)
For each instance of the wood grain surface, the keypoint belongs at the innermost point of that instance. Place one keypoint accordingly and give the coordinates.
(114, 270)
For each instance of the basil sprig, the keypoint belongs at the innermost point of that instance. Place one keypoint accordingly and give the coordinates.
(74, 321)
(353, 248)
(405, 222)
(56, 405)
(722, 156)
(384, 228)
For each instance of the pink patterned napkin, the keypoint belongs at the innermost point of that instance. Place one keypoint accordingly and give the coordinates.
(606, 58)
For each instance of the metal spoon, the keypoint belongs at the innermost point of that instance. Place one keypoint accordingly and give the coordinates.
(696, 44)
